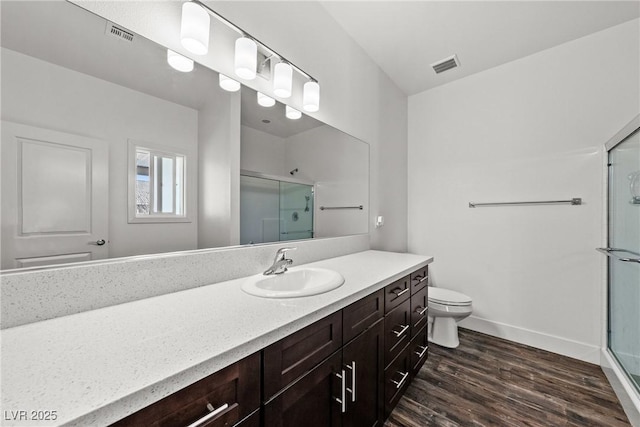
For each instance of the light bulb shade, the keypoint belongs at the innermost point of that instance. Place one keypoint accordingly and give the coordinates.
(311, 97)
(265, 101)
(228, 84)
(179, 62)
(194, 28)
(282, 80)
(246, 59)
(292, 113)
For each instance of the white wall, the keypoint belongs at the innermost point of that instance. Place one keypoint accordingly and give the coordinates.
(218, 163)
(262, 152)
(38, 93)
(337, 164)
(531, 129)
(356, 96)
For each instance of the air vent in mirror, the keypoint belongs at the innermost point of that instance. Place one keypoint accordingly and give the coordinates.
(118, 32)
(446, 64)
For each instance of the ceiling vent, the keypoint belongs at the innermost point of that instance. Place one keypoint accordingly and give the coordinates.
(446, 64)
(118, 32)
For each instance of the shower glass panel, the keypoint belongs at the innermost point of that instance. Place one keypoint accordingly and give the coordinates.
(296, 211)
(272, 210)
(624, 241)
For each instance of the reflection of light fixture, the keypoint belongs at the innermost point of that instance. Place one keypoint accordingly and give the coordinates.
(228, 84)
(282, 80)
(292, 113)
(194, 28)
(311, 96)
(265, 101)
(194, 35)
(246, 59)
(179, 62)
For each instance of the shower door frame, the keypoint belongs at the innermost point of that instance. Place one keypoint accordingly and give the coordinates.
(627, 392)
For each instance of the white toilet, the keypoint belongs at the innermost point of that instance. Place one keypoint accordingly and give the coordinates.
(446, 309)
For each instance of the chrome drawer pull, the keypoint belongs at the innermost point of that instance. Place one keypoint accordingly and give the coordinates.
(423, 311)
(420, 279)
(400, 383)
(401, 331)
(209, 416)
(352, 390)
(421, 352)
(343, 396)
(399, 291)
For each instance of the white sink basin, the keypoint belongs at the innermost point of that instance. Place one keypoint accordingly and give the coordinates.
(297, 282)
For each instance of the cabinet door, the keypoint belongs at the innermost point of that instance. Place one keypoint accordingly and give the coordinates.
(419, 349)
(363, 360)
(419, 279)
(396, 380)
(397, 326)
(419, 310)
(396, 293)
(233, 393)
(362, 314)
(293, 356)
(312, 401)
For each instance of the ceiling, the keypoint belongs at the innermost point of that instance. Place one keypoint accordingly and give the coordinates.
(405, 37)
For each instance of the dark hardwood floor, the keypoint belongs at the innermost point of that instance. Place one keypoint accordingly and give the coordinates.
(489, 381)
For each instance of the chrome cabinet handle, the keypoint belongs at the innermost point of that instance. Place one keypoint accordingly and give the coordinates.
(399, 291)
(343, 396)
(401, 331)
(423, 311)
(98, 242)
(400, 383)
(352, 390)
(422, 279)
(210, 415)
(421, 352)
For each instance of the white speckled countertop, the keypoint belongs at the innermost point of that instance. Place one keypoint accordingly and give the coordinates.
(96, 367)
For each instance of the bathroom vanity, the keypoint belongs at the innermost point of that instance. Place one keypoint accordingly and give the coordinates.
(343, 357)
(349, 368)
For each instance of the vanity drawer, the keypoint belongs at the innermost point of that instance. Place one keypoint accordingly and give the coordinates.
(237, 386)
(419, 279)
(397, 331)
(419, 351)
(361, 314)
(293, 356)
(396, 293)
(419, 309)
(396, 380)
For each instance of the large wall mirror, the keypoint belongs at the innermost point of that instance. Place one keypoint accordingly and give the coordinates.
(109, 152)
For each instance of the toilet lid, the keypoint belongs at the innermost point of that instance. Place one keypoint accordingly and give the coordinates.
(449, 297)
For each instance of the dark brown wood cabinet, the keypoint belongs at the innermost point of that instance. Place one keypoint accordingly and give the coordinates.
(349, 369)
(233, 393)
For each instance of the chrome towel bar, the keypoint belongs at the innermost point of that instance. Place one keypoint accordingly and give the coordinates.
(610, 252)
(323, 208)
(574, 201)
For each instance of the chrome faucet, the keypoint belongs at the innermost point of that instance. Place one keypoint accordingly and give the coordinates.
(280, 262)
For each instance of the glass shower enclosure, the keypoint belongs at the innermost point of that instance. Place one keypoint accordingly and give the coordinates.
(624, 254)
(273, 210)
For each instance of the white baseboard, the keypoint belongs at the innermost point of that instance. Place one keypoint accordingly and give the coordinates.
(627, 395)
(575, 349)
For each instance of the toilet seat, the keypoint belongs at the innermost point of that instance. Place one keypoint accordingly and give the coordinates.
(448, 297)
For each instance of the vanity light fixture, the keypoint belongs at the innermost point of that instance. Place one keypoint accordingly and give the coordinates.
(194, 28)
(265, 101)
(311, 96)
(179, 62)
(292, 113)
(282, 80)
(246, 58)
(228, 83)
(195, 38)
